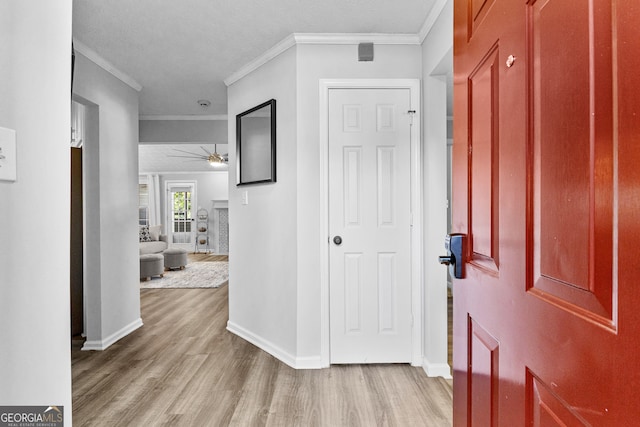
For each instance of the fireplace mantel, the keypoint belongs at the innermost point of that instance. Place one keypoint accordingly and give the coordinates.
(220, 204)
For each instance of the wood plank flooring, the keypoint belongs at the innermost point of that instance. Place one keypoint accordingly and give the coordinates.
(202, 257)
(450, 327)
(183, 368)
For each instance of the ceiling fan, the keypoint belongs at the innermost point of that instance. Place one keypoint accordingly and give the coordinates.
(214, 159)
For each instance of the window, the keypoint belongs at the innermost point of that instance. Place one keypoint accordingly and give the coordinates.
(182, 212)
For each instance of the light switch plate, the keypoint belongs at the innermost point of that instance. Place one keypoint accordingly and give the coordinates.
(245, 197)
(7, 154)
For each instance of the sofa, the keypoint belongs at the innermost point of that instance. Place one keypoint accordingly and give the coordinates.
(151, 241)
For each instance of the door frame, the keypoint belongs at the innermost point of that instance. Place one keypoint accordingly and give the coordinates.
(417, 290)
(194, 203)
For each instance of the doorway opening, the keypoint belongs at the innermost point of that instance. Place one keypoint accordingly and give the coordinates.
(84, 258)
(181, 202)
(76, 238)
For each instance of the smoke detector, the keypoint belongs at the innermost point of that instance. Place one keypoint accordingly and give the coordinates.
(204, 103)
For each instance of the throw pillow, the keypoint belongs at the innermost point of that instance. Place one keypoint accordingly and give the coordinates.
(154, 232)
(144, 233)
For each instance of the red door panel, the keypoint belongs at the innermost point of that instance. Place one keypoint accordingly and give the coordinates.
(572, 123)
(546, 184)
(483, 163)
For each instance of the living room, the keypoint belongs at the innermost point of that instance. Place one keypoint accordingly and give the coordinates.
(185, 198)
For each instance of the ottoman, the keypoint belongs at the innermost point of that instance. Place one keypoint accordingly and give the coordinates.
(175, 258)
(151, 265)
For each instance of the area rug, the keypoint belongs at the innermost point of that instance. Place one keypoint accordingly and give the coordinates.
(195, 275)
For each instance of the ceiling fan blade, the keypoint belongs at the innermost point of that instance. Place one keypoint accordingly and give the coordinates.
(193, 160)
(197, 157)
(211, 158)
(188, 152)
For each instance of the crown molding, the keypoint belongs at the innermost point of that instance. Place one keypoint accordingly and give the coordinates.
(93, 56)
(431, 19)
(222, 117)
(355, 38)
(316, 38)
(276, 50)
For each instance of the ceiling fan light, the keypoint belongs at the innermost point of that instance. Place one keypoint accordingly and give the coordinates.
(215, 159)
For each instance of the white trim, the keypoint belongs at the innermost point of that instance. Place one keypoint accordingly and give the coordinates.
(184, 117)
(217, 171)
(94, 57)
(314, 362)
(437, 369)
(100, 345)
(416, 208)
(270, 54)
(167, 209)
(318, 38)
(274, 350)
(220, 204)
(431, 19)
(355, 38)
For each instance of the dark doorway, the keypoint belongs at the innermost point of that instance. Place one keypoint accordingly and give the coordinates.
(76, 244)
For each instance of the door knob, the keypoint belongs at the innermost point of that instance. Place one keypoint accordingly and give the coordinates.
(445, 259)
(455, 246)
(337, 240)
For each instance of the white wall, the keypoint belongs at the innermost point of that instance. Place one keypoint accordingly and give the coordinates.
(437, 57)
(274, 293)
(35, 69)
(263, 243)
(112, 290)
(317, 62)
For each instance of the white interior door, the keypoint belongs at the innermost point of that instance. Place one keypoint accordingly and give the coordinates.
(181, 199)
(370, 212)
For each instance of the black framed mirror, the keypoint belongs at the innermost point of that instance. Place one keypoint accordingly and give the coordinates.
(256, 144)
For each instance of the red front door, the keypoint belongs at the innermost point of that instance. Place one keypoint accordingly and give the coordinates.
(547, 187)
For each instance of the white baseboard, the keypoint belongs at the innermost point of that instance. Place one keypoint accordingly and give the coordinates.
(311, 362)
(100, 345)
(437, 369)
(274, 350)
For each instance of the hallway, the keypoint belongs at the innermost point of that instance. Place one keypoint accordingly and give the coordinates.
(182, 368)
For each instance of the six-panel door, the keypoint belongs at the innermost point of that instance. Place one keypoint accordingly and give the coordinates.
(369, 209)
(546, 185)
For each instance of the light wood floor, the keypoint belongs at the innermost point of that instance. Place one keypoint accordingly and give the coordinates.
(450, 328)
(182, 368)
(202, 257)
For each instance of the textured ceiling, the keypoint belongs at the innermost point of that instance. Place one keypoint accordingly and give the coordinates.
(181, 51)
